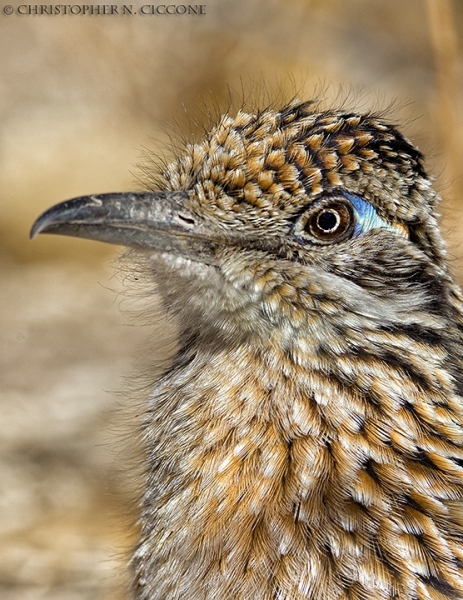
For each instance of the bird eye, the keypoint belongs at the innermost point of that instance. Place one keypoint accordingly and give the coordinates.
(341, 217)
(331, 221)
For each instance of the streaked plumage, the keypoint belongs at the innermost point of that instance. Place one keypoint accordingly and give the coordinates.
(307, 440)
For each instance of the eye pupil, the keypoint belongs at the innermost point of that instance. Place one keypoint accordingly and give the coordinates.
(328, 221)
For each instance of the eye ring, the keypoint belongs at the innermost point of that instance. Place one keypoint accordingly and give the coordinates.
(330, 221)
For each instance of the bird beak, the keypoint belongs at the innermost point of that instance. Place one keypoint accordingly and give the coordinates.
(152, 220)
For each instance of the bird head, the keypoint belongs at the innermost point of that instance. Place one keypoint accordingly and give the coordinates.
(287, 215)
(312, 435)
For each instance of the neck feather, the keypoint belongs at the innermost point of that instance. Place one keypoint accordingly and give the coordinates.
(283, 478)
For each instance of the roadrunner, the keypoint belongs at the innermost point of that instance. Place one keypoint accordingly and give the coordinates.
(306, 442)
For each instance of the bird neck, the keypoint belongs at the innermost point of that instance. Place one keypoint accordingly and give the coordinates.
(272, 473)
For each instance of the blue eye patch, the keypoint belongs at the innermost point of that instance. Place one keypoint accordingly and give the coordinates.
(366, 218)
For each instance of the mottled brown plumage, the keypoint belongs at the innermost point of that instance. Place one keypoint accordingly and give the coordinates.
(307, 440)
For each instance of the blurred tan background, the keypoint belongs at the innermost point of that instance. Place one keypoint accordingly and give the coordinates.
(79, 99)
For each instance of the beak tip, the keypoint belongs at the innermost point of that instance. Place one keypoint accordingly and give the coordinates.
(35, 230)
(53, 219)
(39, 226)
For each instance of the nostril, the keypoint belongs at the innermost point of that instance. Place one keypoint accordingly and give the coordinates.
(186, 220)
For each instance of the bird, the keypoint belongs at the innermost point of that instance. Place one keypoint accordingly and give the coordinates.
(306, 439)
